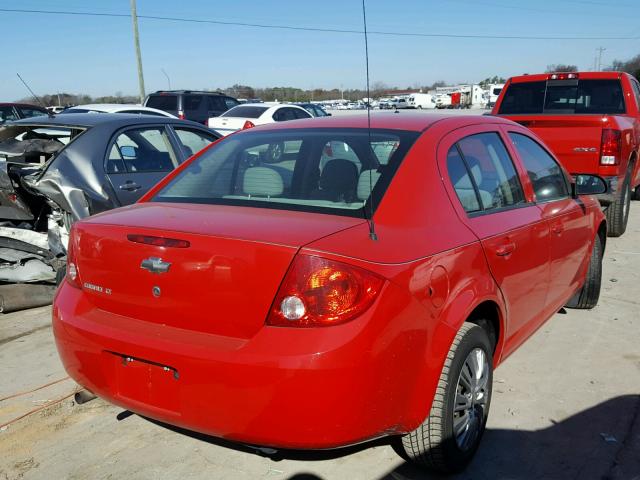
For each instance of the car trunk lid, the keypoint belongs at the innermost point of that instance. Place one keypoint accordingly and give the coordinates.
(223, 283)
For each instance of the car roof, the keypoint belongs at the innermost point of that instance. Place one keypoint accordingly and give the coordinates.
(412, 121)
(92, 119)
(540, 77)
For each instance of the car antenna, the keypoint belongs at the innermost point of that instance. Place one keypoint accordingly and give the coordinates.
(49, 113)
(372, 227)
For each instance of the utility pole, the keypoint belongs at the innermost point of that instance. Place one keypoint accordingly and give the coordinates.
(136, 41)
(600, 50)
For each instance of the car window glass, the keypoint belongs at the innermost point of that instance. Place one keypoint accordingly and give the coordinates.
(31, 112)
(192, 141)
(192, 102)
(299, 113)
(216, 103)
(7, 114)
(163, 102)
(496, 178)
(289, 168)
(547, 178)
(230, 102)
(636, 90)
(461, 181)
(141, 150)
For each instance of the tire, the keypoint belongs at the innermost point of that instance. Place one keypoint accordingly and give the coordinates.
(618, 211)
(587, 297)
(434, 445)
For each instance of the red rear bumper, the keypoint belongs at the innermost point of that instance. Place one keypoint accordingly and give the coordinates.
(288, 388)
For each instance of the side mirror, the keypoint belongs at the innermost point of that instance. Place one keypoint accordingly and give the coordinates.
(588, 185)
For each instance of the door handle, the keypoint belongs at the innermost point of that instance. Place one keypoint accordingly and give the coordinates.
(557, 228)
(505, 249)
(130, 186)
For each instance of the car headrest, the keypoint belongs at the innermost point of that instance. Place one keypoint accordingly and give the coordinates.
(367, 181)
(262, 182)
(339, 176)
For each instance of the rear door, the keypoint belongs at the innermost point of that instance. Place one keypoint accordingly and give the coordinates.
(137, 159)
(487, 192)
(571, 232)
(195, 107)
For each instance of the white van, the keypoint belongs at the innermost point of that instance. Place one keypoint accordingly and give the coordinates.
(422, 100)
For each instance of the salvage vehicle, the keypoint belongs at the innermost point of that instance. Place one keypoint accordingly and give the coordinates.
(15, 111)
(591, 120)
(249, 115)
(54, 171)
(353, 299)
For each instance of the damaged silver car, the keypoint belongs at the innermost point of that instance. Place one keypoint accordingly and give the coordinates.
(56, 170)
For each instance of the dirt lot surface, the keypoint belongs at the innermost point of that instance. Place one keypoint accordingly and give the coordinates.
(565, 406)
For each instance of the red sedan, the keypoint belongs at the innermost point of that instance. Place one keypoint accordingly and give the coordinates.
(320, 283)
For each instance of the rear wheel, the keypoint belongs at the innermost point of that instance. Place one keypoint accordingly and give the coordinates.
(587, 297)
(618, 212)
(449, 437)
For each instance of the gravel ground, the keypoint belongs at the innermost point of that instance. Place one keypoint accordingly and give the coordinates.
(566, 405)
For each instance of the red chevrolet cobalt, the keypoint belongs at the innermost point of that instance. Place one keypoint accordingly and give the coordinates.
(320, 283)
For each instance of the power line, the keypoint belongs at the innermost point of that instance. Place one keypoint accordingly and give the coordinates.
(318, 29)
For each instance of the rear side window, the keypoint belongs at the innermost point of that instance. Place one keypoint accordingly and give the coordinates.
(7, 114)
(230, 103)
(163, 102)
(461, 180)
(547, 178)
(491, 172)
(564, 97)
(192, 102)
(246, 111)
(192, 141)
(636, 90)
(31, 112)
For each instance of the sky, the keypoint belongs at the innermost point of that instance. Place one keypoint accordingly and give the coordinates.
(95, 54)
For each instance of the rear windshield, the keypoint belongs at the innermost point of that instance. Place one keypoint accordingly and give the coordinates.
(245, 111)
(324, 170)
(564, 97)
(163, 102)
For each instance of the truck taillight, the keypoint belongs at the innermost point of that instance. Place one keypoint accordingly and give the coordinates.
(248, 124)
(317, 292)
(73, 273)
(611, 146)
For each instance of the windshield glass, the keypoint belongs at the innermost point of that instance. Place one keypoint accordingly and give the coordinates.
(564, 97)
(327, 170)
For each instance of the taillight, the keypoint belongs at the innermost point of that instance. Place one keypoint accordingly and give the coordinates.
(610, 147)
(73, 273)
(563, 76)
(248, 124)
(317, 292)
(181, 115)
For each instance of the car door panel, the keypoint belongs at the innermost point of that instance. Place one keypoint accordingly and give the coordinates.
(136, 163)
(515, 242)
(569, 223)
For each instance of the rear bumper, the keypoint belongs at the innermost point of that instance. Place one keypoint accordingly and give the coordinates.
(285, 388)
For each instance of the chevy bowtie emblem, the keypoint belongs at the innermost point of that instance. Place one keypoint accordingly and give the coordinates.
(155, 265)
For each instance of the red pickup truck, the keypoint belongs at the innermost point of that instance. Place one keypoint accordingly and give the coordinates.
(591, 120)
